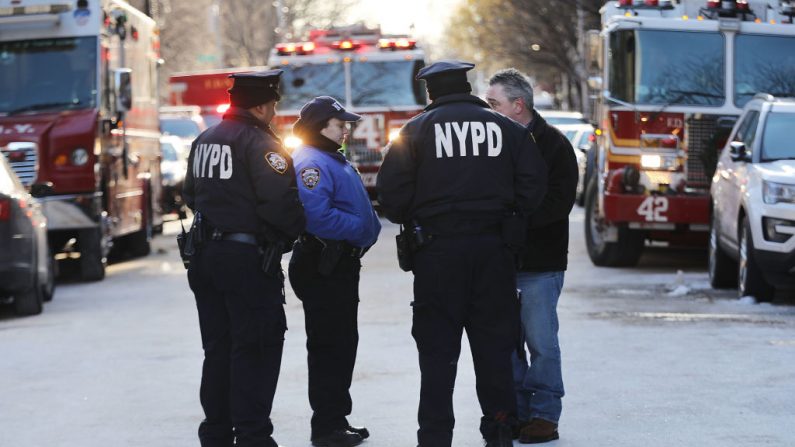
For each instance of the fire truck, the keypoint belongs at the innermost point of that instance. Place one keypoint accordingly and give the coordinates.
(372, 74)
(673, 78)
(78, 122)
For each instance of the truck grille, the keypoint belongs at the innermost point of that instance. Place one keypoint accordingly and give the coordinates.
(359, 154)
(24, 161)
(700, 137)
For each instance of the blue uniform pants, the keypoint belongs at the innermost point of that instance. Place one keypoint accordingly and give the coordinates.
(464, 282)
(242, 322)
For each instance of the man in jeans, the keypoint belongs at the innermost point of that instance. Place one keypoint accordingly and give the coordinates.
(539, 387)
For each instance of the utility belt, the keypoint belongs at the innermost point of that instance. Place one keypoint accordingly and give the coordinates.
(200, 232)
(413, 237)
(329, 253)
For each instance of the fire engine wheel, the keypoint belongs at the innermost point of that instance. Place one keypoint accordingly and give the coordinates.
(722, 268)
(625, 252)
(750, 280)
(138, 243)
(92, 255)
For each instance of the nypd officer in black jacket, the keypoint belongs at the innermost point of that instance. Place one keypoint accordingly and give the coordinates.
(242, 184)
(455, 176)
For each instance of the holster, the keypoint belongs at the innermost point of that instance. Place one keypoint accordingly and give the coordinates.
(272, 257)
(189, 242)
(409, 241)
(330, 256)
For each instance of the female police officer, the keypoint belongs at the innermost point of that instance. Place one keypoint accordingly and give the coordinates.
(324, 269)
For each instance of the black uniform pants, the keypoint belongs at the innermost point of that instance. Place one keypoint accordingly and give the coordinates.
(465, 282)
(242, 321)
(331, 306)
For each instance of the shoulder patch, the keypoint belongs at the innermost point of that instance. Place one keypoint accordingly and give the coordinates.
(277, 162)
(310, 177)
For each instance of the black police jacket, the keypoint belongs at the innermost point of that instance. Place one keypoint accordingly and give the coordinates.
(241, 179)
(460, 158)
(548, 233)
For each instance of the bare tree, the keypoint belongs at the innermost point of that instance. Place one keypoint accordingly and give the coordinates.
(538, 36)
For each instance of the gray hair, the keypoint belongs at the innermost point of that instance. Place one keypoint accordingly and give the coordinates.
(515, 85)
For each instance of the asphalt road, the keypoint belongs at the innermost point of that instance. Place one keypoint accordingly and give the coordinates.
(651, 356)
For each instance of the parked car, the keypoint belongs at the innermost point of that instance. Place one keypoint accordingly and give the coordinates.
(582, 138)
(558, 117)
(185, 122)
(173, 168)
(27, 268)
(752, 236)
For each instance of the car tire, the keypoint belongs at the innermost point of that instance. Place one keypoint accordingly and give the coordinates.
(750, 280)
(93, 258)
(48, 288)
(722, 268)
(623, 253)
(31, 301)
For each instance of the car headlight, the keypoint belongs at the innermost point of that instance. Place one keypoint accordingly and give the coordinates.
(659, 162)
(773, 192)
(292, 142)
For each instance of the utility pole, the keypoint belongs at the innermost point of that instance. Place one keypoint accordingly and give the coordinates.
(582, 69)
(215, 28)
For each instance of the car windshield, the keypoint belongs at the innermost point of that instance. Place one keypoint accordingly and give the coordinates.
(777, 143)
(48, 74)
(301, 83)
(181, 127)
(386, 84)
(667, 67)
(764, 64)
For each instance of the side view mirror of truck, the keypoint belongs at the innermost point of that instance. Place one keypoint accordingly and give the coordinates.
(39, 190)
(122, 87)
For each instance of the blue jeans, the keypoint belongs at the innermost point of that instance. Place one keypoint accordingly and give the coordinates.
(539, 386)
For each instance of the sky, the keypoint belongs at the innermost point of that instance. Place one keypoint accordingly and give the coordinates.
(429, 17)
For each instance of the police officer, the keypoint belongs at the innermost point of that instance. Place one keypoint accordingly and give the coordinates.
(241, 185)
(454, 175)
(324, 270)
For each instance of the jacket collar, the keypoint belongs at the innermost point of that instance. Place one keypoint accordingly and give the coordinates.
(538, 125)
(244, 116)
(336, 155)
(457, 97)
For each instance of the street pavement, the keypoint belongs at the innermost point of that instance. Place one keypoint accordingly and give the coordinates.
(651, 355)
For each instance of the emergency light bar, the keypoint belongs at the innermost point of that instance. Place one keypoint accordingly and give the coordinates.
(727, 8)
(397, 44)
(286, 49)
(34, 10)
(645, 4)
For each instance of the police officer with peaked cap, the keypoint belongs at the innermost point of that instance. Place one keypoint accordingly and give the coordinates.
(241, 185)
(324, 269)
(458, 176)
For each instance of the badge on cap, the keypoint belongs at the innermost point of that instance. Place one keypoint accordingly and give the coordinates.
(310, 177)
(277, 162)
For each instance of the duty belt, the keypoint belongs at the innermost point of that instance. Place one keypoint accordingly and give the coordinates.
(246, 238)
(314, 243)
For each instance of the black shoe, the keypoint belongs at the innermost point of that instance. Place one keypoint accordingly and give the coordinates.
(337, 438)
(361, 431)
(502, 438)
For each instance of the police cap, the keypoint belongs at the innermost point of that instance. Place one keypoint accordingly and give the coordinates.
(254, 88)
(446, 78)
(315, 114)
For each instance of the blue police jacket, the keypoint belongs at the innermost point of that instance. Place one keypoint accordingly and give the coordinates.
(335, 201)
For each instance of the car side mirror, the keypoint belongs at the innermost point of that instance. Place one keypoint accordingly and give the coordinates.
(738, 151)
(39, 190)
(584, 147)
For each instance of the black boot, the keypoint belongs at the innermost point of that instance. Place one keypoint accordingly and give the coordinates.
(361, 431)
(503, 437)
(337, 438)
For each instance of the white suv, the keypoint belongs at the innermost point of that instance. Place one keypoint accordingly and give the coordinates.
(752, 237)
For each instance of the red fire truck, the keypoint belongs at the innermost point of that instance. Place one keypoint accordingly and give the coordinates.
(372, 74)
(78, 121)
(674, 78)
